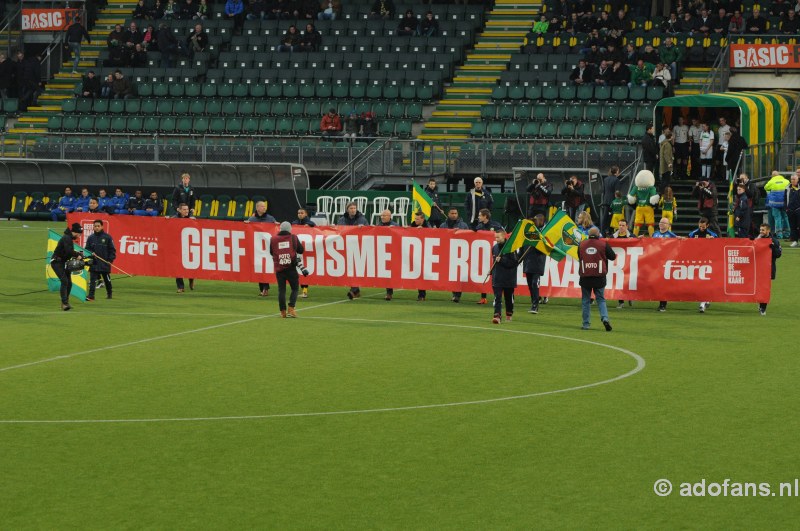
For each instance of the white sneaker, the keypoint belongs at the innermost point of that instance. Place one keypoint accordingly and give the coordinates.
(794, 244)
(702, 307)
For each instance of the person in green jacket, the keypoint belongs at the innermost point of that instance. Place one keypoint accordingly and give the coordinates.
(541, 25)
(672, 56)
(641, 74)
(776, 202)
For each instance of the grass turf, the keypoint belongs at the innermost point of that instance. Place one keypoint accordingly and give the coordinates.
(715, 401)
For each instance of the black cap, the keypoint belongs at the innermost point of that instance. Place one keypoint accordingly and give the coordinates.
(76, 227)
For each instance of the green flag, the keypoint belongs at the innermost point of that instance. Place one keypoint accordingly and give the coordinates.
(80, 283)
(420, 201)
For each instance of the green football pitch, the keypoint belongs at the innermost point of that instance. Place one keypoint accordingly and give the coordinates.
(206, 410)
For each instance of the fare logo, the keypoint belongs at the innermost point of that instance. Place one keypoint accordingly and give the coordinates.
(687, 270)
(138, 245)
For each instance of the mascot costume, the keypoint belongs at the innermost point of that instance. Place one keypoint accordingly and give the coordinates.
(643, 194)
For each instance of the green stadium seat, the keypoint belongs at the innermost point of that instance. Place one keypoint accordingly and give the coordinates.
(102, 124)
(54, 123)
(513, 130)
(604, 93)
(566, 130)
(267, 126)
(558, 113)
(627, 112)
(135, 124)
(69, 106)
(522, 111)
(584, 130)
(200, 125)
(530, 130)
(611, 111)
(386, 128)
(541, 112)
(602, 130)
(619, 131)
(84, 105)
(478, 130)
(574, 112)
(637, 93)
(619, 93)
(548, 130)
(505, 112)
(495, 129)
(489, 112)
(585, 92)
(183, 124)
(206, 206)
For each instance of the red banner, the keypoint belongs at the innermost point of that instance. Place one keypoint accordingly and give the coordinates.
(765, 56)
(722, 269)
(47, 19)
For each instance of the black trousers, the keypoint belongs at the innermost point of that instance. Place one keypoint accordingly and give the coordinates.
(499, 294)
(94, 276)
(66, 280)
(794, 224)
(533, 288)
(290, 276)
(262, 286)
(179, 283)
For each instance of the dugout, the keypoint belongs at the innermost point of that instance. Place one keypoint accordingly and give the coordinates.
(763, 118)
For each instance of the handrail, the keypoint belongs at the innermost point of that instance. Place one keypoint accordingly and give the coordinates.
(11, 23)
(717, 80)
(346, 172)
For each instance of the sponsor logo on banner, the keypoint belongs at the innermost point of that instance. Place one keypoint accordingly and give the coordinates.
(47, 19)
(734, 270)
(138, 245)
(765, 56)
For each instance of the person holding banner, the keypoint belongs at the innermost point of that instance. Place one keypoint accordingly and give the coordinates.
(594, 255)
(504, 277)
(260, 216)
(777, 251)
(285, 249)
(664, 225)
(303, 219)
(352, 217)
(702, 231)
(386, 221)
(65, 249)
(101, 245)
(420, 223)
(454, 221)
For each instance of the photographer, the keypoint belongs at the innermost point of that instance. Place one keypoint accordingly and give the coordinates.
(573, 196)
(539, 191)
(286, 249)
(706, 193)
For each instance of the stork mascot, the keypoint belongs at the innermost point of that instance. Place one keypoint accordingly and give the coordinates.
(643, 194)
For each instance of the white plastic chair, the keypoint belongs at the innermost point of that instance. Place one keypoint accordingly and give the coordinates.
(400, 208)
(361, 203)
(325, 206)
(339, 207)
(379, 204)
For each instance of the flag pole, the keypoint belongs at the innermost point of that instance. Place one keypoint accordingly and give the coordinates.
(112, 265)
(523, 255)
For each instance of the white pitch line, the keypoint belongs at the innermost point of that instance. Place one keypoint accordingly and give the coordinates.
(640, 365)
(156, 338)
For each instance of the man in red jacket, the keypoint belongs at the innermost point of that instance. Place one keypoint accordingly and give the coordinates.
(331, 124)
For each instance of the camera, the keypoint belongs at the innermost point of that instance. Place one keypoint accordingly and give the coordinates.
(298, 262)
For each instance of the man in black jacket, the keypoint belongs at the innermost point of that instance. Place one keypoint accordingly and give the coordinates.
(28, 79)
(65, 249)
(184, 193)
(649, 150)
(260, 216)
(352, 217)
(75, 35)
(101, 245)
(91, 85)
(612, 183)
(539, 191)
(533, 263)
(436, 209)
(504, 277)
(477, 199)
(777, 251)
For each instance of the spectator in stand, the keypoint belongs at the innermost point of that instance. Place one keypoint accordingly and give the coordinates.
(116, 37)
(305, 9)
(650, 55)
(82, 201)
(170, 10)
(631, 56)
(779, 8)
(584, 9)
(157, 11)
(329, 9)
(91, 86)
(149, 41)
(791, 23)
(107, 88)
(331, 124)
(286, 45)
(736, 24)
(573, 196)
(429, 26)
(197, 39)
(75, 35)
(541, 26)
(703, 22)
(641, 74)
(688, 23)
(581, 74)
(132, 36)
(136, 202)
(29, 78)
(672, 25)
(122, 87)
(620, 75)
(575, 24)
(118, 56)
(169, 46)
(294, 36)
(672, 56)
(203, 11)
(720, 23)
(563, 9)
(278, 10)
(407, 26)
(256, 10)
(234, 10)
(612, 54)
(311, 39)
(369, 126)
(661, 77)
(756, 24)
(141, 12)
(117, 203)
(603, 76)
(189, 10)
(138, 57)
(352, 126)
(382, 9)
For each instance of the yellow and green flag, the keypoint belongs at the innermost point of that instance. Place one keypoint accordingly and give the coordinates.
(80, 283)
(525, 234)
(420, 201)
(561, 237)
